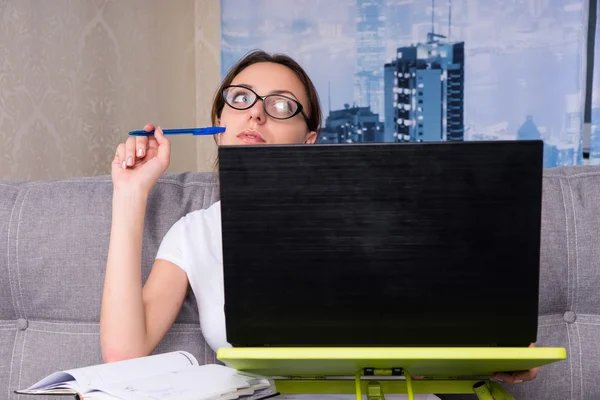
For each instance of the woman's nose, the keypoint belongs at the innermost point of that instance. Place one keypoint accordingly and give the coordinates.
(257, 112)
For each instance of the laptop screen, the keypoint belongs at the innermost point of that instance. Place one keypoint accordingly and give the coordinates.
(407, 244)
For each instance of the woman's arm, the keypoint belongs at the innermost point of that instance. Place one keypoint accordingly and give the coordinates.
(133, 319)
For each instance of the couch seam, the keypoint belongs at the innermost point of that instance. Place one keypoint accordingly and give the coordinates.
(10, 284)
(97, 323)
(17, 254)
(580, 359)
(98, 333)
(568, 248)
(63, 333)
(65, 322)
(22, 353)
(184, 184)
(582, 174)
(576, 281)
(570, 359)
(12, 359)
(166, 181)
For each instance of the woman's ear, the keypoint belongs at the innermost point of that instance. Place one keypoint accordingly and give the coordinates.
(218, 135)
(311, 137)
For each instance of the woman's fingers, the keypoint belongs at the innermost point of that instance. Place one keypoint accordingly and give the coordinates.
(164, 146)
(120, 156)
(130, 150)
(516, 377)
(141, 146)
(136, 148)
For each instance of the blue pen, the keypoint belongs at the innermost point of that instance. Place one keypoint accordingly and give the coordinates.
(211, 130)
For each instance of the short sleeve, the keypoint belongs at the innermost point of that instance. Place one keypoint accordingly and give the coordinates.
(171, 247)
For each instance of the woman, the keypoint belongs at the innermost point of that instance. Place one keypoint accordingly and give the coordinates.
(134, 319)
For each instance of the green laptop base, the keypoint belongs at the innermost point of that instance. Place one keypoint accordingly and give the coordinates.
(446, 370)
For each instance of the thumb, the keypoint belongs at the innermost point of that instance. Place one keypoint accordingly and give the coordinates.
(164, 145)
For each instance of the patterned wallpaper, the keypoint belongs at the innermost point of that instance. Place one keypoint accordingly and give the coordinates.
(76, 76)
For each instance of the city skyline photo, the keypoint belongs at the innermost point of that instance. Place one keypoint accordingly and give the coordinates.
(421, 70)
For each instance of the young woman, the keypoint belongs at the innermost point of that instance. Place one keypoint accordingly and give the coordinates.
(264, 99)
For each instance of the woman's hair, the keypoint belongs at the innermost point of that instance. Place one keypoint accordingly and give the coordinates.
(257, 56)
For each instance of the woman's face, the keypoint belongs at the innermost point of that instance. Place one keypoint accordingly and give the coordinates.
(254, 126)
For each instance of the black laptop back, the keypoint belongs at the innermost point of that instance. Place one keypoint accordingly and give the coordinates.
(420, 244)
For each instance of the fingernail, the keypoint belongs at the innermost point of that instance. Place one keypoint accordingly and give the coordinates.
(518, 381)
(124, 165)
(140, 152)
(129, 161)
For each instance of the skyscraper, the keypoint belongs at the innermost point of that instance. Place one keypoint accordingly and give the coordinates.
(529, 130)
(370, 54)
(352, 125)
(428, 92)
(389, 88)
(573, 127)
(595, 139)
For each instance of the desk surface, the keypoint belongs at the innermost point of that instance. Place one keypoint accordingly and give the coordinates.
(428, 361)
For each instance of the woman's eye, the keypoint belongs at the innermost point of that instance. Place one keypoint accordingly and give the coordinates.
(240, 98)
(282, 106)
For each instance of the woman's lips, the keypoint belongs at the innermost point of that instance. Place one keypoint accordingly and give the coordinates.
(250, 136)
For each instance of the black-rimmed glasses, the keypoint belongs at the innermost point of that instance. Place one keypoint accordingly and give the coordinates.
(276, 106)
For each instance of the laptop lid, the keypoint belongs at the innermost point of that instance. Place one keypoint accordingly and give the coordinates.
(405, 244)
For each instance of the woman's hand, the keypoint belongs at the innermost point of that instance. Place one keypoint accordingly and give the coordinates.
(141, 160)
(517, 376)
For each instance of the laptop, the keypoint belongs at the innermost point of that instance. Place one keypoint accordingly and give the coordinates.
(381, 244)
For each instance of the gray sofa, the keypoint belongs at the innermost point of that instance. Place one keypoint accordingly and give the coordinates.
(53, 245)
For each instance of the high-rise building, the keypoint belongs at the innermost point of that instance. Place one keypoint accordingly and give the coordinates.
(370, 54)
(428, 91)
(352, 125)
(389, 85)
(595, 139)
(573, 127)
(529, 130)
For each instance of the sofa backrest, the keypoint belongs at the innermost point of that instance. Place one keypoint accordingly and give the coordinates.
(54, 241)
(53, 247)
(569, 314)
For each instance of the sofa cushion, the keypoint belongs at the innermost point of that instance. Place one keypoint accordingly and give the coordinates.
(8, 202)
(569, 299)
(55, 246)
(59, 235)
(52, 263)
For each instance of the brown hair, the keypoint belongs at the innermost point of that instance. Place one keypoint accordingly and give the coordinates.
(257, 56)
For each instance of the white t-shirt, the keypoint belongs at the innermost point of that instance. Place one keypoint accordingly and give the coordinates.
(194, 244)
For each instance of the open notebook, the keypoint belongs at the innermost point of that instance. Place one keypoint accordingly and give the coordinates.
(167, 376)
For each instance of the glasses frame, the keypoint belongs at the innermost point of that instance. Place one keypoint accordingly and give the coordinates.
(299, 110)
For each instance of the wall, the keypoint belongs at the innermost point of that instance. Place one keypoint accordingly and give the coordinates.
(76, 76)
